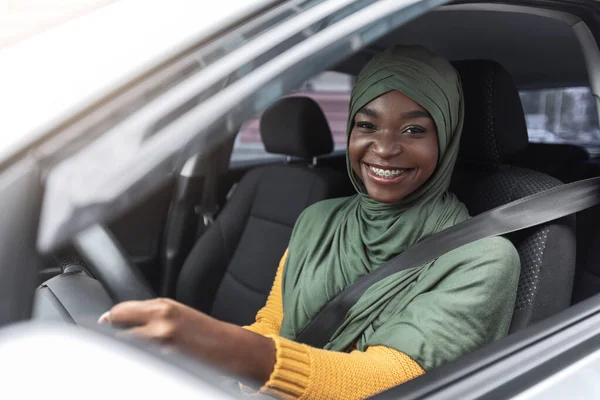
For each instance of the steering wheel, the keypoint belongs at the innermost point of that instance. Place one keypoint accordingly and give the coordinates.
(109, 263)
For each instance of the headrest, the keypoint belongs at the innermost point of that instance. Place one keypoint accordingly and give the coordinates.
(494, 125)
(296, 126)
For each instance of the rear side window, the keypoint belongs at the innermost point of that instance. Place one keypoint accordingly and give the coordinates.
(566, 115)
(331, 90)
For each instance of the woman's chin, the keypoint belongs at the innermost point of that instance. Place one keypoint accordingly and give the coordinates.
(383, 197)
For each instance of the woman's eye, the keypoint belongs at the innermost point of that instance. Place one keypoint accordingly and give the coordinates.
(365, 125)
(414, 129)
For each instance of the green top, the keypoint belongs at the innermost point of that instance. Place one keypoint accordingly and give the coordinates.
(435, 312)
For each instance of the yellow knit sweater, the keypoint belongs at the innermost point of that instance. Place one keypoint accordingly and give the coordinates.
(303, 372)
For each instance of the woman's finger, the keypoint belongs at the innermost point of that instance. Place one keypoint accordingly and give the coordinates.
(161, 331)
(140, 332)
(129, 313)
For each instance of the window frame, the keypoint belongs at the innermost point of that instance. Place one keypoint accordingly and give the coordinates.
(213, 99)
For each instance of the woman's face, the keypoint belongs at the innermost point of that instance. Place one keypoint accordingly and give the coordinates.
(393, 147)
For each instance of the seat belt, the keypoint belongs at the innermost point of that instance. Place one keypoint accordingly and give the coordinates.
(193, 208)
(209, 207)
(213, 167)
(526, 212)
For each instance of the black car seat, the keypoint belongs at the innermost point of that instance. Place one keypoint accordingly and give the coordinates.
(587, 274)
(231, 268)
(560, 160)
(495, 130)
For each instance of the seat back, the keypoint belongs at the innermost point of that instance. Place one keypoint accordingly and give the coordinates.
(231, 269)
(565, 162)
(494, 131)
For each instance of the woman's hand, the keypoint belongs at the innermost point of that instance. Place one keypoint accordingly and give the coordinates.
(224, 345)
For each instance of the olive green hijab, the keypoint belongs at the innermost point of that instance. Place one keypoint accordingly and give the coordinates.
(337, 241)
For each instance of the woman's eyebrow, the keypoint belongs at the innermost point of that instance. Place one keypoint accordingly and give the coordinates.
(416, 114)
(368, 111)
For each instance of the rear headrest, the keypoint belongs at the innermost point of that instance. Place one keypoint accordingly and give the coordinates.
(494, 120)
(296, 126)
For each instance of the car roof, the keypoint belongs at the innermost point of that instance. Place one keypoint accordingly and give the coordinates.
(49, 77)
(520, 38)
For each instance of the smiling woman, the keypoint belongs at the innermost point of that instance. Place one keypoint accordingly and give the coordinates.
(393, 152)
(406, 117)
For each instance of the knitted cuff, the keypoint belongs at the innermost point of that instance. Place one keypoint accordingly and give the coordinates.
(291, 374)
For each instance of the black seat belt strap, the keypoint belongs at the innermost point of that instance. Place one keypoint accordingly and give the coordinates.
(524, 213)
(209, 207)
(215, 165)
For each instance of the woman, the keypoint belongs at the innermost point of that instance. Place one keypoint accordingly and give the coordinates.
(406, 115)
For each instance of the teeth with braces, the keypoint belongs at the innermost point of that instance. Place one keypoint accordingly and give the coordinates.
(386, 173)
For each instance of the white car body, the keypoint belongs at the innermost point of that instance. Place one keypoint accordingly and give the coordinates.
(48, 77)
(55, 75)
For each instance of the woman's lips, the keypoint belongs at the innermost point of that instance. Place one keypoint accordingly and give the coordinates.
(392, 179)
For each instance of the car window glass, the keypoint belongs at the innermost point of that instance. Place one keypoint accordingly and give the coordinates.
(199, 113)
(331, 90)
(565, 115)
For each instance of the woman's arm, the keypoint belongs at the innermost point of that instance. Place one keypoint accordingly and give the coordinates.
(168, 321)
(303, 372)
(467, 302)
(471, 306)
(223, 345)
(268, 318)
(289, 369)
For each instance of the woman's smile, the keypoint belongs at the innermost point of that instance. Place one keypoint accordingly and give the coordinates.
(387, 175)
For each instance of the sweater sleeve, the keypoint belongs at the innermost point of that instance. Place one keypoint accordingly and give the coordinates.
(309, 373)
(268, 318)
(303, 372)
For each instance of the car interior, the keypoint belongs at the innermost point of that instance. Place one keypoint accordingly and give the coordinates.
(229, 227)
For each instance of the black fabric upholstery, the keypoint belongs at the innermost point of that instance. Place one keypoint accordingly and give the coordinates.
(563, 161)
(494, 186)
(231, 269)
(296, 126)
(493, 134)
(547, 252)
(587, 280)
(587, 275)
(495, 124)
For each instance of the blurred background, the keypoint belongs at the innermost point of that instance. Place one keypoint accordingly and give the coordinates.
(20, 19)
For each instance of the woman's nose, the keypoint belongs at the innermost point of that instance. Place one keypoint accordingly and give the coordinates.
(386, 146)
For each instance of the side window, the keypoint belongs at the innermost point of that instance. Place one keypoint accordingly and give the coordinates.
(330, 89)
(566, 115)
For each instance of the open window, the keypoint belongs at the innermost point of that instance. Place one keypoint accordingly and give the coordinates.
(562, 115)
(331, 90)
